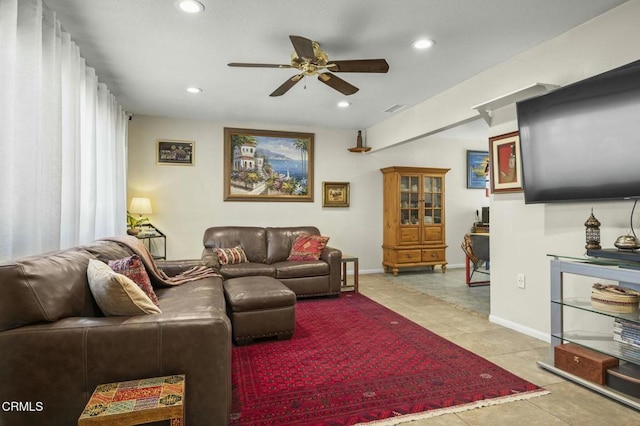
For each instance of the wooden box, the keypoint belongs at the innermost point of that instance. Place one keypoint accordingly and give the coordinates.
(625, 378)
(583, 362)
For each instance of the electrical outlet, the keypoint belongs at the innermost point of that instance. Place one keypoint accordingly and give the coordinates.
(520, 280)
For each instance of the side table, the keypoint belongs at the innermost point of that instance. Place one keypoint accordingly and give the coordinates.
(136, 402)
(346, 258)
(149, 233)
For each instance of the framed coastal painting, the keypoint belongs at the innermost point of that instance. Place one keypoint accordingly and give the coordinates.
(477, 167)
(506, 166)
(335, 194)
(267, 165)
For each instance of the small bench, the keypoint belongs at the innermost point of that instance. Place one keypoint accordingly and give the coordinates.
(259, 307)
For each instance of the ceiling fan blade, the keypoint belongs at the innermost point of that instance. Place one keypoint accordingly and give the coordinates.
(303, 47)
(359, 65)
(337, 83)
(249, 65)
(284, 88)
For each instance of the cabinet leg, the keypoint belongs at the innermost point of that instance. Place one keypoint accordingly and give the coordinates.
(444, 268)
(395, 272)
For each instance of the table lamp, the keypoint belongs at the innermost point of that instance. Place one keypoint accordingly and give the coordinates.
(140, 206)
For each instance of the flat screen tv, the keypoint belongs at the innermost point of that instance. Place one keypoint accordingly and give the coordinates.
(582, 142)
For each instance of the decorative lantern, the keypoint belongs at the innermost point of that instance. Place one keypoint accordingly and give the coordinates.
(592, 232)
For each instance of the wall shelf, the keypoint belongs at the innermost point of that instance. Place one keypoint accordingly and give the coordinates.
(486, 109)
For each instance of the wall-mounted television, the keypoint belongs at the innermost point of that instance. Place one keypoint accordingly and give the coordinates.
(582, 142)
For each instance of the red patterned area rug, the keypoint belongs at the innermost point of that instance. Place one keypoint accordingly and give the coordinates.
(352, 360)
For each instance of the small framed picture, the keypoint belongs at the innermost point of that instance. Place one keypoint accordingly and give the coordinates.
(477, 168)
(174, 152)
(506, 166)
(335, 194)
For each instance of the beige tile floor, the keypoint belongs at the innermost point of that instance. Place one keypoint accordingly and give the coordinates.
(426, 298)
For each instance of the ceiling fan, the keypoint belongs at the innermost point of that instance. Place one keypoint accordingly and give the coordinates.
(311, 60)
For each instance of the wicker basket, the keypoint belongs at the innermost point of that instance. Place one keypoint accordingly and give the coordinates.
(613, 298)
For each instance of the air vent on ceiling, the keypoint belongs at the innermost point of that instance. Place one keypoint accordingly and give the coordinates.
(395, 108)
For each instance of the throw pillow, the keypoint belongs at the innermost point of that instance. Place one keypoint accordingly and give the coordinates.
(133, 268)
(307, 247)
(117, 294)
(231, 256)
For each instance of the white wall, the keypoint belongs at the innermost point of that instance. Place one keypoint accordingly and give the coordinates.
(188, 199)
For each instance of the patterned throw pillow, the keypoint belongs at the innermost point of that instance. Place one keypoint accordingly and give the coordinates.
(133, 268)
(117, 294)
(307, 247)
(231, 256)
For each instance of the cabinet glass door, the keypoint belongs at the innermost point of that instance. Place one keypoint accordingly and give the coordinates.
(409, 200)
(432, 195)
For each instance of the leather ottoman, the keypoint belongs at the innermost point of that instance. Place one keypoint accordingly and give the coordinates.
(259, 307)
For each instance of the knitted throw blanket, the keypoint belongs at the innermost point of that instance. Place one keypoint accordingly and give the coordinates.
(158, 275)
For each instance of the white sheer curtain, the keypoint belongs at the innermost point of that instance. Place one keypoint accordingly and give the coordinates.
(62, 139)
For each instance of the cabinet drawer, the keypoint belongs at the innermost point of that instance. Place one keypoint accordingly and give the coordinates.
(583, 362)
(433, 255)
(432, 234)
(409, 235)
(408, 256)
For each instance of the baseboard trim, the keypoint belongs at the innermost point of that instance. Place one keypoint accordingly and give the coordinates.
(520, 328)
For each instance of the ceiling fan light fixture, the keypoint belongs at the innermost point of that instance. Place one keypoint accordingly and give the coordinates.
(343, 104)
(191, 6)
(423, 43)
(194, 90)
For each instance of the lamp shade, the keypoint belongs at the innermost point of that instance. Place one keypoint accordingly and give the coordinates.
(140, 206)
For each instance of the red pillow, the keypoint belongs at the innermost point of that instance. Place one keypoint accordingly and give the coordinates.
(132, 268)
(307, 247)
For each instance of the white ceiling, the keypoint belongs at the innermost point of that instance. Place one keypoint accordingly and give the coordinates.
(148, 52)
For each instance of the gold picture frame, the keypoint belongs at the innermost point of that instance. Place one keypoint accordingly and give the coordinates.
(267, 165)
(175, 152)
(506, 165)
(335, 194)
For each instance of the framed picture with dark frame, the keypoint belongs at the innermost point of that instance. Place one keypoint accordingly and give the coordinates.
(477, 168)
(175, 152)
(506, 165)
(267, 165)
(335, 194)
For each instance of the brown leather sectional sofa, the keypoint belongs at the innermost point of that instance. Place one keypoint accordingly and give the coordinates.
(267, 250)
(56, 346)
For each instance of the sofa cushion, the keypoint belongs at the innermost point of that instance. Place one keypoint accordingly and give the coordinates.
(132, 268)
(46, 287)
(307, 247)
(117, 294)
(247, 269)
(297, 269)
(252, 239)
(231, 256)
(280, 241)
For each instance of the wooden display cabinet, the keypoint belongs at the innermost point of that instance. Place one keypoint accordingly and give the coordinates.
(414, 218)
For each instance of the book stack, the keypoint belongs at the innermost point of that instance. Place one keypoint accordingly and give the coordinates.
(626, 332)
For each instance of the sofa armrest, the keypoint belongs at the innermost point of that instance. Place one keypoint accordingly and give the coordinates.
(175, 267)
(56, 366)
(333, 257)
(210, 256)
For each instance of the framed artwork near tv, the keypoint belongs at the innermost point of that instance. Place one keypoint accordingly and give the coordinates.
(477, 163)
(505, 163)
(267, 165)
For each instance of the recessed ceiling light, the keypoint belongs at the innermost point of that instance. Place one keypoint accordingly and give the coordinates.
(191, 6)
(343, 104)
(194, 89)
(423, 43)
